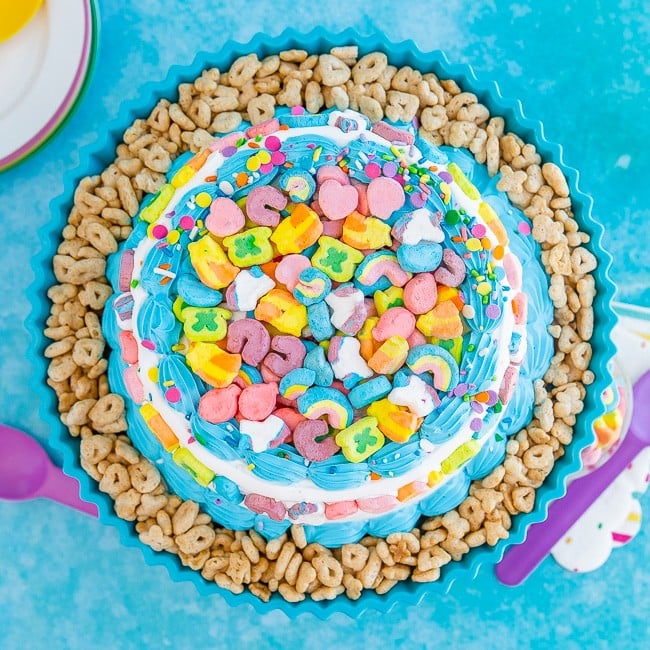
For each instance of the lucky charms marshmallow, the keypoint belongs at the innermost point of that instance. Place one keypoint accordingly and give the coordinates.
(323, 322)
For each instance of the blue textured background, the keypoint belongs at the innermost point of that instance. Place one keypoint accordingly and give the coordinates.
(581, 67)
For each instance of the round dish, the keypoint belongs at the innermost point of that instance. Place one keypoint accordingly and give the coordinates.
(405, 54)
(46, 72)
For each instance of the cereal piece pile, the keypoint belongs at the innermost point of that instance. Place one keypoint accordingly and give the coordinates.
(101, 217)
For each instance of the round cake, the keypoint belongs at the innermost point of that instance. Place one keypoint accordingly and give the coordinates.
(323, 325)
(324, 322)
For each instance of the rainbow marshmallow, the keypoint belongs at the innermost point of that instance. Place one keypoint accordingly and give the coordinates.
(437, 361)
(295, 383)
(329, 402)
(312, 286)
(378, 271)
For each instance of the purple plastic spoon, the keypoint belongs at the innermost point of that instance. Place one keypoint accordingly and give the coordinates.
(520, 561)
(26, 472)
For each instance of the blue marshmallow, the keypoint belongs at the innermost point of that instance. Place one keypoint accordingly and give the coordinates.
(295, 383)
(315, 360)
(419, 258)
(195, 293)
(370, 391)
(318, 316)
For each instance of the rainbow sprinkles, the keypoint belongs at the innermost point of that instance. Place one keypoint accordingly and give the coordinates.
(324, 322)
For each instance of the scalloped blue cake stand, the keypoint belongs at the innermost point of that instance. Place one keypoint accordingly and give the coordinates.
(98, 155)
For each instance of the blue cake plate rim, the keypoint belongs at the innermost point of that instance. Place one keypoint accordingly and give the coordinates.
(96, 156)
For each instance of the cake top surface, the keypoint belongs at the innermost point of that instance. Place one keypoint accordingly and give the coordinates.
(326, 323)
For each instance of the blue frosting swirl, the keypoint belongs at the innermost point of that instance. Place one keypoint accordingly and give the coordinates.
(336, 473)
(157, 323)
(280, 465)
(221, 439)
(449, 496)
(394, 459)
(173, 369)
